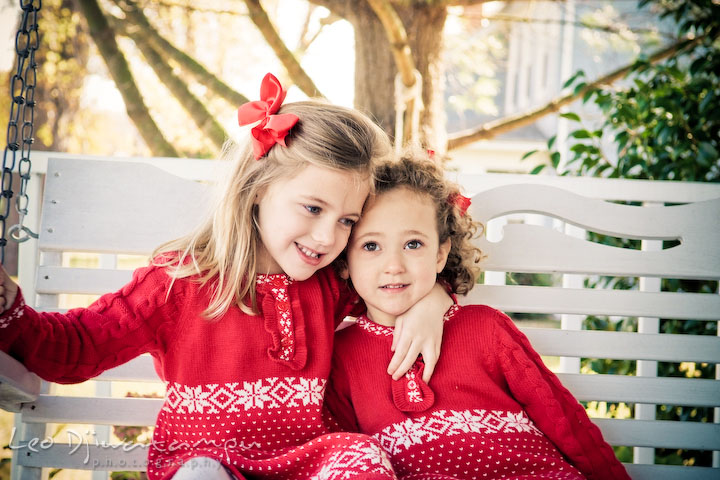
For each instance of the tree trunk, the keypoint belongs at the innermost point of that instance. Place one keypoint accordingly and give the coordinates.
(104, 38)
(375, 68)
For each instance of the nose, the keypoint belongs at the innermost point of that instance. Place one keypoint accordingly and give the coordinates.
(394, 264)
(324, 234)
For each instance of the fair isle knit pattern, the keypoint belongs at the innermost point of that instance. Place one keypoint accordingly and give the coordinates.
(278, 287)
(13, 313)
(365, 457)
(245, 390)
(264, 393)
(399, 437)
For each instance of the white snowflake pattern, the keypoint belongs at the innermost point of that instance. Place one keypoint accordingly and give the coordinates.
(360, 457)
(517, 422)
(264, 393)
(403, 435)
(255, 395)
(310, 391)
(194, 399)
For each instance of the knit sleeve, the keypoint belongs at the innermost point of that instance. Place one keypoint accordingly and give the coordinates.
(347, 301)
(337, 397)
(552, 408)
(84, 342)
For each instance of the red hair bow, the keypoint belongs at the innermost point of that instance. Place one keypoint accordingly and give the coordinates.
(460, 202)
(273, 128)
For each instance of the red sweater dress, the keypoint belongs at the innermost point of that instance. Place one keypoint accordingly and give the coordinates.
(245, 390)
(491, 410)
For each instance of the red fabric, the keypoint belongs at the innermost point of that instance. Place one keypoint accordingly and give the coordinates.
(272, 128)
(237, 389)
(497, 410)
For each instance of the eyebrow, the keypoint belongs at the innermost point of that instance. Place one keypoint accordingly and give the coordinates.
(323, 203)
(380, 234)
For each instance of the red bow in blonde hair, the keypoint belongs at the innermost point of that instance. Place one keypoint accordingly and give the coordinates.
(460, 202)
(273, 128)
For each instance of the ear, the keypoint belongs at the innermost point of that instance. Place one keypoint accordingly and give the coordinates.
(443, 252)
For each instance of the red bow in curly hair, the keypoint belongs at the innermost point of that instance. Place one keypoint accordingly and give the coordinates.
(273, 128)
(460, 202)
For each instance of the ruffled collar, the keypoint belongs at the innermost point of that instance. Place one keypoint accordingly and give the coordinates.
(287, 329)
(384, 331)
(410, 393)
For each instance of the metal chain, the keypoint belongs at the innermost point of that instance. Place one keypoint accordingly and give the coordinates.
(22, 115)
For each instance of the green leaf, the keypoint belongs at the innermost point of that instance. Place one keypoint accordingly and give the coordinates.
(551, 142)
(571, 116)
(707, 154)
(570, 80)
(589, 95)
(531, 152)
(582, 133)
(555, 159)
(537, 169)
(579, 87)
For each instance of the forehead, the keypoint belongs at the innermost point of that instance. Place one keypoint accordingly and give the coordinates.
(398, 209)
(325, 184)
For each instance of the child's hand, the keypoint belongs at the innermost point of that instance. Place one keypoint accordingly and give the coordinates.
(419, 331)
(8, 290)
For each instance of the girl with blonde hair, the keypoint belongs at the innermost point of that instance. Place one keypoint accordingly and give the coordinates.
(240, 314)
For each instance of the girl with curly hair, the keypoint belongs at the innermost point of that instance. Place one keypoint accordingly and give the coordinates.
(492, 409)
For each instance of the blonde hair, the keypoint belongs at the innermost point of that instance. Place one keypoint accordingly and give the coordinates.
(416, 171)
(223, 251)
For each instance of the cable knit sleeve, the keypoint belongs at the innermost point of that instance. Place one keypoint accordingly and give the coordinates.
(82, 343)
(552, 408)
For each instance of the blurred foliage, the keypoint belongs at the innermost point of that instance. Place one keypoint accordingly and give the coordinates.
(62, 67)
(664, 123)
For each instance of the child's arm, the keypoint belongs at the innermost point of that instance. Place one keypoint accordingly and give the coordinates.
(419, 331)
(552, 408)
(82, 343)
(8, 291)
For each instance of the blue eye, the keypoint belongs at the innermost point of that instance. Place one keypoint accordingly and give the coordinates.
(313, 209)
(347, 222)
(413, 244)
(370, 246)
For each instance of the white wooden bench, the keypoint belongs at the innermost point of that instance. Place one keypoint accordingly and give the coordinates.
(112, 207)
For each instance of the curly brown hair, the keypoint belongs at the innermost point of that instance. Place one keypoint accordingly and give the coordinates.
(418, 172)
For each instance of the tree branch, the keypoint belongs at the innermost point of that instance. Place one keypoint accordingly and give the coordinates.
(143, 31)
(397, 36)
(192, 105)
(104, 38)
(297, 74)
(511, 122)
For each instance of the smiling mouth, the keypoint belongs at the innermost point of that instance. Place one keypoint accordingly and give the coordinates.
(310, 254)
(394, 286)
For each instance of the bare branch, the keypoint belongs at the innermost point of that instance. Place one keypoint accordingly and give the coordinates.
(179, 89)
(141, 29)
(104, 38)
(511, 122)
(261, 20)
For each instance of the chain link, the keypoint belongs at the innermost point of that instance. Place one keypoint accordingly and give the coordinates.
(20, 126)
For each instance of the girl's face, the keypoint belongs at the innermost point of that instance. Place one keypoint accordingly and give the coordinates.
(305, 221)
(394, 254)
